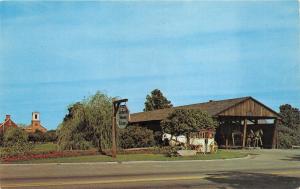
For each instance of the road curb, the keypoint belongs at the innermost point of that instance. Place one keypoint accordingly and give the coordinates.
(186, 161)
(126, 162)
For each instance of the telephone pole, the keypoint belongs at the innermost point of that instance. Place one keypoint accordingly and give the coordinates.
(116, 104)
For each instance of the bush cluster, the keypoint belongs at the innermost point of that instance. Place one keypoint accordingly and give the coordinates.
(289, 127)
(15, 142)
(40, 137)
(136, 137)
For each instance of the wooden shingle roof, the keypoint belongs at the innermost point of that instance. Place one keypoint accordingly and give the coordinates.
(213, 108)
(244, 106)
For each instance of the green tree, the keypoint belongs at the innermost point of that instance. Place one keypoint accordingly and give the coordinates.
(87, 124)
(36, 137)
(50, 136)
(13, 136)
(289, 127)
(184, 121)
(135, 137)
(156, 101)
(16, 141)
(99, 119)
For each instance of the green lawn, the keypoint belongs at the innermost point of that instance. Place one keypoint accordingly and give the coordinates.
(46, 147)
(40, 148)
(221, 154)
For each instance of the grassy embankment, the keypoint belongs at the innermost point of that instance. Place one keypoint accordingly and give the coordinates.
(221, 154)
(47, 147)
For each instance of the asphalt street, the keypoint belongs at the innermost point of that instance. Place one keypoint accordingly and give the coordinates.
(262, 169)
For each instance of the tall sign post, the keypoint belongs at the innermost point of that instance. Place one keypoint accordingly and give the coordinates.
(116, 104)
(122, 116)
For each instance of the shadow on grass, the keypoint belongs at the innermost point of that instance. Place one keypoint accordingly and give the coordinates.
(246, 180)
(293, 158)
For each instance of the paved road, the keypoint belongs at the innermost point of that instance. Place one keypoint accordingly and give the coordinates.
(268, 169)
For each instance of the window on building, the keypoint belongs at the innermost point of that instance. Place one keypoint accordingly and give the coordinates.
(35, 116)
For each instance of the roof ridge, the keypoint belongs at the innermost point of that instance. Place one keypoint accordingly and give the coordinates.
(154, 110)
(176, 107)
(213, 108)
(3, 123)
(246, 97)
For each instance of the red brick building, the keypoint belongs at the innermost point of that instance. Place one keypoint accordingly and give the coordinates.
(35, 124)
(7, 124)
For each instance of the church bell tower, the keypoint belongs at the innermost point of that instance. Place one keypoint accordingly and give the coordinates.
(35, 121)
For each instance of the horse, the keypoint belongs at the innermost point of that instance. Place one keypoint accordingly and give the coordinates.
(250, 138)
(174, 140)
(181, 140)
(257, 138)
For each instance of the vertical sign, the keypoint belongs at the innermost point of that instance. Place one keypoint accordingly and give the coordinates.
(122, 116)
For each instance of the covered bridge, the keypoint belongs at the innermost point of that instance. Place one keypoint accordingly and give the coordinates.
(237, 119)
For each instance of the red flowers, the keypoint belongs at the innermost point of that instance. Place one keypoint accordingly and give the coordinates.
(52, 154)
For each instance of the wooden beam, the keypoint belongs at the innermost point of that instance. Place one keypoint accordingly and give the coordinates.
(253, 121)
(274, 137)
(237, 122)
(250, 120)
(245, 133)
(226, 142)
(240, 122)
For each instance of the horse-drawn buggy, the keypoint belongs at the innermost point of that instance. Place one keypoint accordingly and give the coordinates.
(202, 141)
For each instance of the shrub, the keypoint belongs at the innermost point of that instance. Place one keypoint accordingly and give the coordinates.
(50, 136)
(172, 152)
(15, 142)
(135, 137)
(78, 142)
(285, 140)
(15, 136)
(36, 137)
(289, 127)
(158, 138)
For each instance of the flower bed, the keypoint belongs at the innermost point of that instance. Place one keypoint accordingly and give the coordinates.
(72, 153)
(51, 154)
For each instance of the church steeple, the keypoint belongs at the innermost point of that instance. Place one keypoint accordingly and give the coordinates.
(35, 121)
(35, 116)
(35, 124)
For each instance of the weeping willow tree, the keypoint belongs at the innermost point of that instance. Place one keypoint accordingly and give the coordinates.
(87, 124)
(99, 118)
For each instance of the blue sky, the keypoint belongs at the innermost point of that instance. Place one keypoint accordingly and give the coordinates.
(53, 54)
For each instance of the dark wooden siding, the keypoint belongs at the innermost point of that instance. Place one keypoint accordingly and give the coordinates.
(152, 125)
(248, 108)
